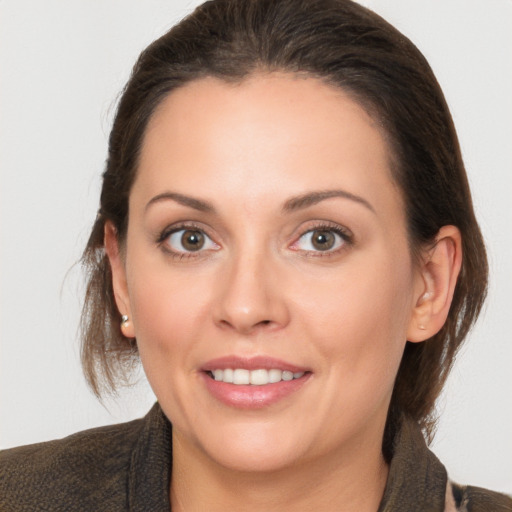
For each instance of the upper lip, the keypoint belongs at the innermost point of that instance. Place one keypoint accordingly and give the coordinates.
(251, 363)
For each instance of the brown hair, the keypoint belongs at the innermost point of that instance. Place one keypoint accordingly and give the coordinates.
(347, 46)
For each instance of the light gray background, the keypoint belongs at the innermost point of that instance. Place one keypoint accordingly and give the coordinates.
(62, 65)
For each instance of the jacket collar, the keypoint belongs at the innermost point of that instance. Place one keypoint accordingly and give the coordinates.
(416, 480)
(150, 467)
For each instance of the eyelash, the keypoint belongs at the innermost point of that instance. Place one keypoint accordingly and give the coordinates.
(343, 233)
(167, 232)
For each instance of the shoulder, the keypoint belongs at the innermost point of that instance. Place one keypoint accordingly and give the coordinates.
(89, 468)
(467, 498)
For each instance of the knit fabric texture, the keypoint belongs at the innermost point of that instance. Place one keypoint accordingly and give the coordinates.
(127, 467)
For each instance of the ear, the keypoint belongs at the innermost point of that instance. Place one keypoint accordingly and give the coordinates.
(439, 271)
(119, 282)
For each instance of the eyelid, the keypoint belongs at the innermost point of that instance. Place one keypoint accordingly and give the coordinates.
(184, 226)
(343, 232)
(320, 225)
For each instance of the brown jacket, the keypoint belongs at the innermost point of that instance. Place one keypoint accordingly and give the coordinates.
(127, 467)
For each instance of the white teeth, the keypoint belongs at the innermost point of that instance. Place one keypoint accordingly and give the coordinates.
(274, 375)
(287, 375)
(258, 377)
(241, 376)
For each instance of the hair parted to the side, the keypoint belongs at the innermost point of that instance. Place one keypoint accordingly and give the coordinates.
(349, 47)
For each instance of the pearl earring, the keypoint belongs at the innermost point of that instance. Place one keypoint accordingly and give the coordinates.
(125, 323)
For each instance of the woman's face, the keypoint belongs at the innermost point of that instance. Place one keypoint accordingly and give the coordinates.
(267, 241)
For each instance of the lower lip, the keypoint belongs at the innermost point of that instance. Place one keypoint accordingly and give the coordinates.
(253, 397)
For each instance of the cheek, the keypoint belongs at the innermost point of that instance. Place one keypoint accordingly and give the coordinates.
(359, 317)
(168, 309)
(369, 290)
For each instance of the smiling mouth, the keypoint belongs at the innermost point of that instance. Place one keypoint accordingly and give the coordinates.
(258, 377)
(254, 382)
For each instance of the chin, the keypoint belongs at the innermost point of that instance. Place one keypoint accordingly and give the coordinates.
(258, 447)
(247, 459)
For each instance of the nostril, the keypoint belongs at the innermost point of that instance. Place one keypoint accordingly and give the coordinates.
(264, 325)
(248, 327)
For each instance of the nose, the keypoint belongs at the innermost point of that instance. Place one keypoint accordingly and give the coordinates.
(251, 296)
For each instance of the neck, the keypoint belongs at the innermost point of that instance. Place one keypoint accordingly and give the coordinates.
(342, 481)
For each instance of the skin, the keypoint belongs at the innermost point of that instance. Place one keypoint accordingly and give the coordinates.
(259, 287)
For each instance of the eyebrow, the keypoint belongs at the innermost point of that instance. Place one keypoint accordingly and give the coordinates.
(293, 204)
(312, 198)
(191, 202)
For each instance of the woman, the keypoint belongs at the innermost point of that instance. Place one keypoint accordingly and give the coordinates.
(286, 240)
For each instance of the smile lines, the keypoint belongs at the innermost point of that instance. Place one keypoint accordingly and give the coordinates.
(259, 377)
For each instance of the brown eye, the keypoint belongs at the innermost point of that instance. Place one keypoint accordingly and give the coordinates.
(192, 240)
(323, 240)
(189, 240)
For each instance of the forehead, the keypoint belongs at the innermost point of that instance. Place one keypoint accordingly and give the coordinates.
(270, 133)
(271, 98)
